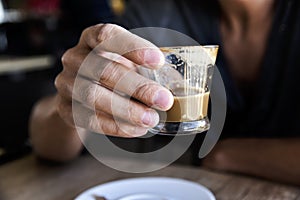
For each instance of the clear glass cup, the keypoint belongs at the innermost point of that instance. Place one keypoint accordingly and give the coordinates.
(187, 73)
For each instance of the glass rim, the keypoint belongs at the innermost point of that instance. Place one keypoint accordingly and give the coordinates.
(193, 46)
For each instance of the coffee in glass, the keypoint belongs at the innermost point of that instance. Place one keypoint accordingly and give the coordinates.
(187, 73)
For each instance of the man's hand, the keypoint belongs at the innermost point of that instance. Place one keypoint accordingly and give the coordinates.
(104, 64)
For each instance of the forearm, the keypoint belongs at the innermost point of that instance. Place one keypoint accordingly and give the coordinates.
(274, 159)
(51, 137)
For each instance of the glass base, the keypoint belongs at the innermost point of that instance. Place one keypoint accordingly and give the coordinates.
(181, 128)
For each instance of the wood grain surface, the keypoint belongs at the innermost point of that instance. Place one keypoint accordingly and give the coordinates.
(31, 179)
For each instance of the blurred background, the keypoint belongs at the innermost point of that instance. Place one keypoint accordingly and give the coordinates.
(33, 36)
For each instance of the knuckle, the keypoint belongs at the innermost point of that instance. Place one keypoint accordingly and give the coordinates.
(70, 58)
(102, 124)
(145, 91)
(90, 35)
(61, 84)
(104, 32)
(58, 81)
(110, 128)
(121, 131)
(107, 31)
(131, 113)
(66, 58)
(93, 123)
(98, 122)
(97, 72)
(110, 74)
(86, 32)
(134, 114)
(88, 95)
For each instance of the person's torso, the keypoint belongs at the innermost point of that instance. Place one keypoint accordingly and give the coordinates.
(274, 109)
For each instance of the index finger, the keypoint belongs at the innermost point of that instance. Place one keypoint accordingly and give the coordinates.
(115, 39)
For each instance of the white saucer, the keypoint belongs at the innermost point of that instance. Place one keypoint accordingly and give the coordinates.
(152, 188)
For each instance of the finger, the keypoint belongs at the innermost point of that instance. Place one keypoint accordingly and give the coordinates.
(93, 35)
(64, 83)
(118, 78)
(115, 39)
(117, 58)
(89, 63)
(94, 64)
(73, 59)
(98, 122)
(101, 98)
(102, 123)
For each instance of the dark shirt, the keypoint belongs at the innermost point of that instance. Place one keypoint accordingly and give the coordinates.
(274, 109)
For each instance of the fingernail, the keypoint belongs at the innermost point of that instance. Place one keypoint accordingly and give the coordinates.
(154, 57)
(150, 118)
(163, 99)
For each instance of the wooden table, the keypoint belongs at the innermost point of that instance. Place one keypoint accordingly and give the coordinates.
(29, 179)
